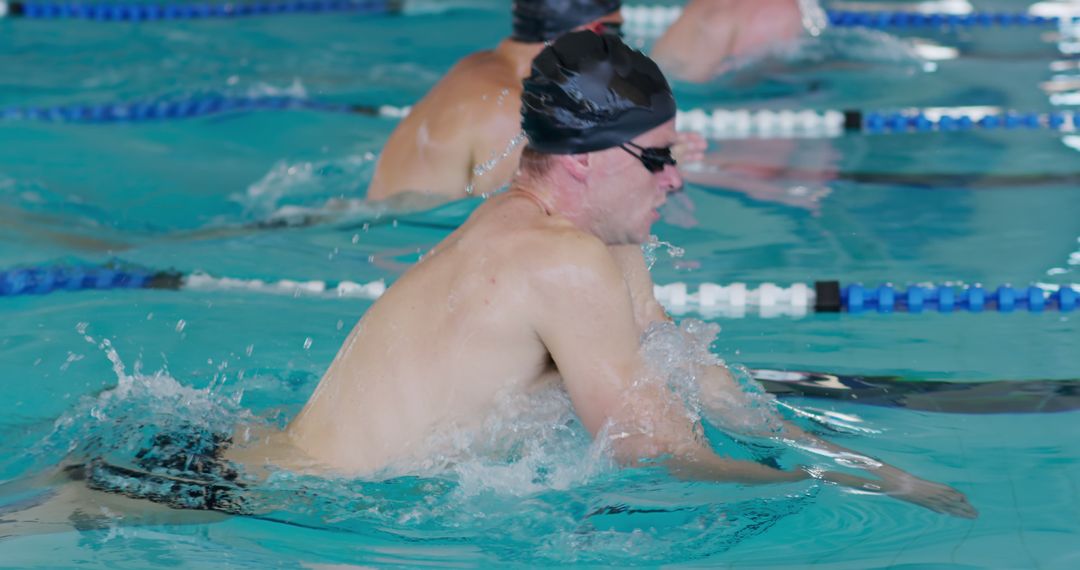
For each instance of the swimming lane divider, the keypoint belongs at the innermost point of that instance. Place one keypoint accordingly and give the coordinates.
(147, 12)
(715, 124)
(743, 123)
(652, 20)
(637, 16)
(709, 299)
(205, 105)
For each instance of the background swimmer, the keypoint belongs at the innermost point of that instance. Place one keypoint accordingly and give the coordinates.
(710, 33)
(465, 133)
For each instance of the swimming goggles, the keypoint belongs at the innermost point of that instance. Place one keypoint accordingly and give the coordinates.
(654, 159)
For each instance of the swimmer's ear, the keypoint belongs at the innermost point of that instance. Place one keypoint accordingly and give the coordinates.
(577, 165)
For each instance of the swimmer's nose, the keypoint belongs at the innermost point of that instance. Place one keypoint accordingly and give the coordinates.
(670, 180)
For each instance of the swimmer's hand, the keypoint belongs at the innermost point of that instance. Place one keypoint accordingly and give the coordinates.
(689, 148)
(906, 487)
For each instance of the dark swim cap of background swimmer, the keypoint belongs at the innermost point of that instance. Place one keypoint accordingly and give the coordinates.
(538, 21)
(590, 92)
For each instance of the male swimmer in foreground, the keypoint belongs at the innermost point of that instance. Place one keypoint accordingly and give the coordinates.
(525, 295)
(465, 134)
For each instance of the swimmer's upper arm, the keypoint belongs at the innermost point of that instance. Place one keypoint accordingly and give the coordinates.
(585, 319)
(586, 322)
(631, 262)
(696, 44)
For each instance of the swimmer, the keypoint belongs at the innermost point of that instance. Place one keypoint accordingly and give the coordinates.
(524, 296)
(464, 136)
(709, 34)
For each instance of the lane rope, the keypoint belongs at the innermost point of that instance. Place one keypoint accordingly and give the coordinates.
(640, 19)
(718, 124)
(709, 299)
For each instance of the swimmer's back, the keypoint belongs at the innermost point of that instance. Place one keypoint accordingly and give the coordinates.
(710, 32)
(438, 349)
(470, 115)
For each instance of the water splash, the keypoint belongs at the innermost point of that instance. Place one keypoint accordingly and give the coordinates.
(295, 89)
(528, 485)
(1073, 261)
(118, 422)
(814, 19)
(292, 189)
(529, 443)
(649, 248)
(488, 165)
(680, 355)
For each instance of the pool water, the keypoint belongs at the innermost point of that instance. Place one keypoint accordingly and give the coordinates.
(191, 195)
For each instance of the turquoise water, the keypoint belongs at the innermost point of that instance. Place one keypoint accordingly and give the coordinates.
(184, 195)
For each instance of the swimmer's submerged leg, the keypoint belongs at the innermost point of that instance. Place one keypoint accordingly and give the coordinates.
(56, 503)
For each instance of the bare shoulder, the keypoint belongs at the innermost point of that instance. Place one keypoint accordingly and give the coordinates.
(712, 8)
(560, 257)
(482, 92)
(482, 72)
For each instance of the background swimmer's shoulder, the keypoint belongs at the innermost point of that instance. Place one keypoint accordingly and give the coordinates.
(486, 68)
(483, 81)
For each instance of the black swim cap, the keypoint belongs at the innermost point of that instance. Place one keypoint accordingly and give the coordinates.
(538, 21)
(590, 92)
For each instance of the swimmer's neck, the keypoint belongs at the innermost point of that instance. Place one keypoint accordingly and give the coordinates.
(559, 196)
(519, 54)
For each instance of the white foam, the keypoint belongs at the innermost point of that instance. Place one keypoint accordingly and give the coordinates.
(336, 185)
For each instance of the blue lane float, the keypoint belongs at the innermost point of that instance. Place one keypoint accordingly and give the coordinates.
(716, 124)
(857, 298)
(52, 278)
(636, 15)
(195, 106)
(729, 300)
(149, 12)
(768, 123)
(919, 20)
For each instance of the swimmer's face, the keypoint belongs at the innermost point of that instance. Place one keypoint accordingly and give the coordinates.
(625, 196)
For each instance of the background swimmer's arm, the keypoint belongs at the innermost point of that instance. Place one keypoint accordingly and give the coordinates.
(696, 44)
(585, 318)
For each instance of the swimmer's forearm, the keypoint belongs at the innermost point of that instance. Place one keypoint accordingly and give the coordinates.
(814, 443)
(707, 466)
(719, 384)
